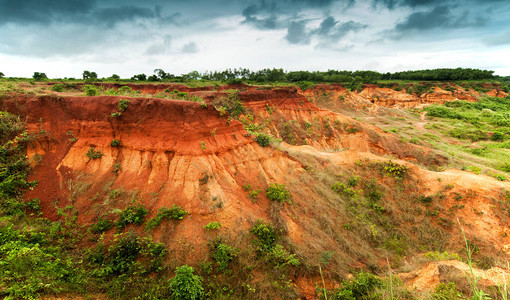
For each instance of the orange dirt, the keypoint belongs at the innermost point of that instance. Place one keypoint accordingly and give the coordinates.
(178, 152)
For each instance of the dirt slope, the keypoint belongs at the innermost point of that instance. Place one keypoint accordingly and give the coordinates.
(180, 152)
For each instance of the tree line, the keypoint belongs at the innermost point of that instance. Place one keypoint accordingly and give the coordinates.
(282, 76)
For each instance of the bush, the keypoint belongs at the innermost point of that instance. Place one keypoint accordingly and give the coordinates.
(115, 143)
(222, 254)
(394, 169)
(277, 192)
(101, 225)
(212, 226)
(123, 105)
(90, 90)
(132, 215)
(186, 285)
(266, 236)
(229, 104)
(175, 213)
(498, 136)
(263, 139)
(360, 287)
(93, 154)
(58, 87)
(445, 291)
(128, 254)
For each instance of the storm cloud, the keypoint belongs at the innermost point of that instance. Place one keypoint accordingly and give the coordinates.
(257, 33)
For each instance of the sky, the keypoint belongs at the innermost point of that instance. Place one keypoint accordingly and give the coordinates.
(62, 38)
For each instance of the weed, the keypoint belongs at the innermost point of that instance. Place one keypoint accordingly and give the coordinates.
(174, 213)
(101, 225)
(263, 139)
(186, 285)
(133, 214)
(222, 254)
(93, 154)
(115, 143)
(212, 226)
(277, 192)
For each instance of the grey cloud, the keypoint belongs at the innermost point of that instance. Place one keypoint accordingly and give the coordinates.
(329, 32)
(161, 47)
(440, 17)
(498, 40)
(43, 12)
(190, 48)
(297, 34)
(332, 29)
(264, 14)
(111, 15)
(84, 12)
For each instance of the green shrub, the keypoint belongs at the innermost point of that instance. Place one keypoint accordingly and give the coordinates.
(175, 213)
(115, 143)
(90, 90)
(342, 189)
(10, 126)
(186, 285)
(254, 194)
(445, 291)
(498, 136)
(362, 286)
(58, 87)
(128, 254)
(222, 254)
(229, 104)
(101, 225)
(394, 169)
(93, 154)
(266, 236)
(123, 105)
(263, 139)
(132, 215)
(280, 258)
(212, 226)
(277, 192)
(116, 114)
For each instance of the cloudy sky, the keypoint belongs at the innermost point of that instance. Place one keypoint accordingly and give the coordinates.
(64, 37)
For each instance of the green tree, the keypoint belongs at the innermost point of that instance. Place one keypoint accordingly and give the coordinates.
(186, 285)
(2, 75)
(114, 77)
(39, 76)
(89, 75)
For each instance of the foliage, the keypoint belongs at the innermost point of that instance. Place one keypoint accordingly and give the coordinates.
(89, 75)
(266, 236)
(90, 90)
(394, 169)
(277, 192)
(39, 76)
(175, 213)
(128, 253)
(186, 285)
(442, 256)
(123, 105)
(212, 226)
(361, 286)
(93, 154)
(133, 214)
(222, 254)
(230, 104)
(445, 291)
(58, 87)
(101, 225)
(115, 143)
(263, 139)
